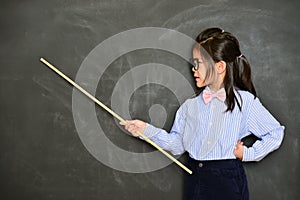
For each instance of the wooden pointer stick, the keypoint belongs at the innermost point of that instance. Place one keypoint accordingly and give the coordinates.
(113, 113)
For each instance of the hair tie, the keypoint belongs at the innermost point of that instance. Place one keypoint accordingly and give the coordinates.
(240, 56)
(204, 41)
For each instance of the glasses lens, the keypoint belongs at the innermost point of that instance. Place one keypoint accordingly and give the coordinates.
(195, 63)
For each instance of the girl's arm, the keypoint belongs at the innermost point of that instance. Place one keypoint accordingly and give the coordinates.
(169, 141)
(270, 133)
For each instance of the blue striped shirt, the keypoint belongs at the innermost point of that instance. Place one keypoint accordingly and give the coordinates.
(206, 132)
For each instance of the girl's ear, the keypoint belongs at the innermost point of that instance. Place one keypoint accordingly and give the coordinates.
(221, 67)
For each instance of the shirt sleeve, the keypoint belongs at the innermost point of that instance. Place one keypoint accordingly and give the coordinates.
(270, 133)
(169, 141)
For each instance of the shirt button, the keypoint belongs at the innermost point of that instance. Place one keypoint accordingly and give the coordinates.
(208, 142)
(213, 106)
(200, 165)
(210, 123)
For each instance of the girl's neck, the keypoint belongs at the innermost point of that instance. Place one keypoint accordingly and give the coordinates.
(218, 83)
(215, 87)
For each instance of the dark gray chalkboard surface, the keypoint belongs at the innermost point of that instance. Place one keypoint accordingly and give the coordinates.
(42, 154)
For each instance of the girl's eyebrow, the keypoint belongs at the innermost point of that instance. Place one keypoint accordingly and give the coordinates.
(196, 58)
(199, 59)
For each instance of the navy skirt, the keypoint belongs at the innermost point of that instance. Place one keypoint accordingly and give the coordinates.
(216, 180)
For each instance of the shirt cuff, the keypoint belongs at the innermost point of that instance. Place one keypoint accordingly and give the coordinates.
(248, 154)
(151, 131)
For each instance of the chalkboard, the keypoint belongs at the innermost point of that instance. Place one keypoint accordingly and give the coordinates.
(43, 150)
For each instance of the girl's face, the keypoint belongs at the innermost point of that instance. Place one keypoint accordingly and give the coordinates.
(200, 73)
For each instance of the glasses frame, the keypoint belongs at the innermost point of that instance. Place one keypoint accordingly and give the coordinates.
(193, 61)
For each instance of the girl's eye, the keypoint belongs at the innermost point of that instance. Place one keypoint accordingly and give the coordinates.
(195, 61)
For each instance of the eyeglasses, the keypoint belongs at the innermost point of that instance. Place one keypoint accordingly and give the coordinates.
(196, 63)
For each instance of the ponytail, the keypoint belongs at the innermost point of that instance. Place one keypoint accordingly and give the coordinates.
(238, 75)
(245, 75)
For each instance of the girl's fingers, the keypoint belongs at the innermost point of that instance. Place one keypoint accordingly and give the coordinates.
(239, 143)
(238, 150)
(123, 123)
(134, 126)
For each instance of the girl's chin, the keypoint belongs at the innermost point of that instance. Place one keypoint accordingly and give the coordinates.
(199, 84)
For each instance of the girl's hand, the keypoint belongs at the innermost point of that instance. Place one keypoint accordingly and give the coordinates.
(134, 126)
(238, 150)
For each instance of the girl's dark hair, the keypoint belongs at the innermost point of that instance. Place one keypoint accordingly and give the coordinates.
(223, 46)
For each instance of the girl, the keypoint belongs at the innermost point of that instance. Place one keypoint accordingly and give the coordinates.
(210, 126)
